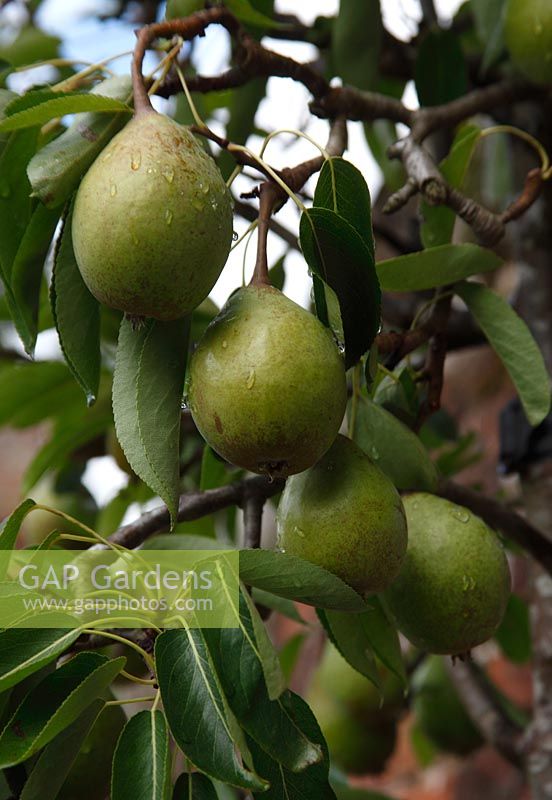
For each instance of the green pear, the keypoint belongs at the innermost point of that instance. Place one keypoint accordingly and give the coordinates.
(452, 590)
(528, 37)
(267, 386)
(439, 711)
(360, 729)
(152, 221)
(345, 515)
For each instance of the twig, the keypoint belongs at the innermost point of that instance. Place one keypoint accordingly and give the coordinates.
(252, 519)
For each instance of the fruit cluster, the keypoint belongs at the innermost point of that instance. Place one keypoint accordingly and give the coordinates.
(267, 390)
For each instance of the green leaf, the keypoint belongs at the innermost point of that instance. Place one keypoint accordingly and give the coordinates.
(270, 662)
(335, 252)
(55, 171)
(26, 274)
(309, 784)
(373, 631)
(281, 605)
(438, 225)
(142, 759)
(55, 762)
(54, 704)
(242, 106)
(15, 203)
(43, 108)
(438, 266)
(510, 337)
(10, 528)
(292, 577)
(347, 634)
(147, 394)
(197, 711)
(182, 8)
(440, 71)
(393, 447)
(271, 723)
(77, 316)
(213, 470)
(356, 39)
(341, 188)
(514, 634)
(24, 651)
(194, 786)
(277, 273)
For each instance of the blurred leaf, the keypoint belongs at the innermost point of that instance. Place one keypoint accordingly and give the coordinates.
(242, 105)
(440, 71)
(40, 107)
(213, 470)
(311, 783)
(489, 24)
(56, 760)
(22, 383)
(438, 225)
(77, 316)
(26, 274)
(296, 579)
(271, 723)
(142, 759)
(380, 135)
(29, 46)
(289, 654)
(182, 8)
(247, 13)
(56, 169)
(54, 704)
(394, 447)
(356, 39)
(24, 651)
(197, 711)
(341, 188)
(147, 395)
(335, 251)
(438, 266)
(511, 339)
(514, 634)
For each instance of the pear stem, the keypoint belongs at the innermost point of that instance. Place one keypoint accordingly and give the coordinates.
(187, 29)
(269, 197)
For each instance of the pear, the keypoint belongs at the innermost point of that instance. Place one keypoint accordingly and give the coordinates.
(452, 590)
(345, 515)
(267, 386)
(528, 37)
(152, 222)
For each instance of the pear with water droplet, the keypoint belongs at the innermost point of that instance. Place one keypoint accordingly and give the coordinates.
(152, 223)
(345, 515)
(267, 384)
(452, 590)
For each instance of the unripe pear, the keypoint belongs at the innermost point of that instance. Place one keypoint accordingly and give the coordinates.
(528, 36)
(359, 728)
(267, 384)
(345, 515)
(439, 711)
(152, 222)
(452, 590)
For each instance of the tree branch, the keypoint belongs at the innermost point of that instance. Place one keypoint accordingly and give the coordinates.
(194, 505)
